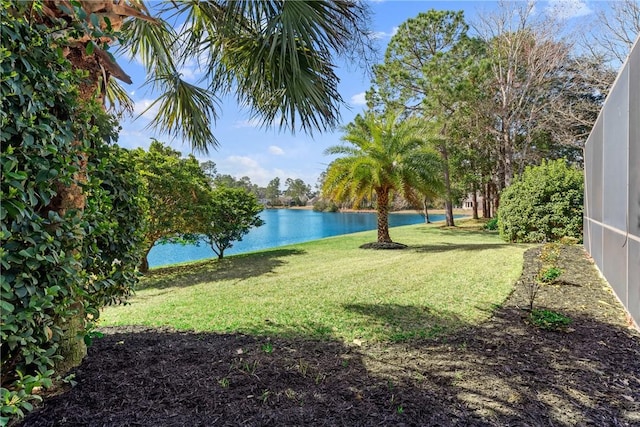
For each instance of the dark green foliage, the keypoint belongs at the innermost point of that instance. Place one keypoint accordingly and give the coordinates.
(544, 204)
(230, 214)
(549, 320)
(492, 224)
(175, 190)
(39, 277)
(550, 274)
(51, 259)
(325, 206)
(115, 217)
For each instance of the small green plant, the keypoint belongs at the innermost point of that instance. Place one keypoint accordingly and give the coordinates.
(14, 403)
(492, 224)
(549, 274)
(291, 394)
(265, 396)
(549, 320)
(250, 367)
(91, 335)
(400, 410)
(69, 379)
(320, 377)
(567, 240)
(224, 382)
(550, 253)
(303, 367)
(267, 348)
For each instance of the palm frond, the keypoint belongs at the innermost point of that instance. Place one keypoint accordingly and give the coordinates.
(185, 110)
(276, 56)
(117, 99)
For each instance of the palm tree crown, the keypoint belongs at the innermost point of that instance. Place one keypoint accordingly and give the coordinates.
(383, 155)
(276, 57)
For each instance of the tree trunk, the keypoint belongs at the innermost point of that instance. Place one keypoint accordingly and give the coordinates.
(448, 204)
(474, 202)
(144, 262)
(72, 346)
(485, 201)
(425, 204)
(70, 199)
(383, 215)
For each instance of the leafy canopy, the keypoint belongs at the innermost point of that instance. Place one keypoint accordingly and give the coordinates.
(175, 189)
(544, 204)
(230, 214)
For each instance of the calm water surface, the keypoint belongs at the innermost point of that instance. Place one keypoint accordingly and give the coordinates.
(284, 227)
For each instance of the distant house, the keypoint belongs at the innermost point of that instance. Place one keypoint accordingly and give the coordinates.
(467, 202)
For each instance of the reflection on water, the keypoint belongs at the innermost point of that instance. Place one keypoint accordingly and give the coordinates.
(284, 227)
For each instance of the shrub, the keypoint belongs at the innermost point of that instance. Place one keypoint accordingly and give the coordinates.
(547, 271)
(549, 320)
(492, 224)
(544, 204)
(324, 206)
(56, 264)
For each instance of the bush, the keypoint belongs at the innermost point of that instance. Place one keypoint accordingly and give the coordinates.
(57, 264)
(492, 224)
(544, 204)
(549, 320)
(324, 206)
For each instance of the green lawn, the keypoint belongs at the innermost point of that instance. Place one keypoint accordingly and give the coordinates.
(332, 289)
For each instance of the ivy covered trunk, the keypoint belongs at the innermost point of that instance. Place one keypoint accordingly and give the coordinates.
(71, 200)
(383, 215)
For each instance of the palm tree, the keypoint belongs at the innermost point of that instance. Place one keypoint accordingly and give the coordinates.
(276, 56)
(384, 155)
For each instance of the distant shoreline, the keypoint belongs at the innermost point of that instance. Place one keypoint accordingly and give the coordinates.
(403, 211)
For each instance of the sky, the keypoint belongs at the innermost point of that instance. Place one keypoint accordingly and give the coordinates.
(265, 153)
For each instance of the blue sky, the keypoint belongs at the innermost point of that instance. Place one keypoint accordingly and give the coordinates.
(265, 153)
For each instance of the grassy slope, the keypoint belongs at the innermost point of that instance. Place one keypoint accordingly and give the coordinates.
(331, 288)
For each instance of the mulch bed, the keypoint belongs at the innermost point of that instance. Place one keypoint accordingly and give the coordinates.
(505, 372)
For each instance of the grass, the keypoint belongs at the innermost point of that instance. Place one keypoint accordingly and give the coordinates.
(330, 288)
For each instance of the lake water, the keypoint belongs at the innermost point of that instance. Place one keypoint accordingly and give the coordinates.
(284, 227)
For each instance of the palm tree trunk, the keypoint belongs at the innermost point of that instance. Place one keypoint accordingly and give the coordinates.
(383, 215)
(425, 204)
(70, 200)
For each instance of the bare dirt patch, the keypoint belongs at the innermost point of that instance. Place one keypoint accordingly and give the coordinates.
(505, 372)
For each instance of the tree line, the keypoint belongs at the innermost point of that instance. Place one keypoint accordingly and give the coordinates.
(476, 107)
(296, 192)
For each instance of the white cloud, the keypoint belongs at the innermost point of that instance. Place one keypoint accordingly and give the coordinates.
(359, 99)
(377, 35)
(143, 107)
(239, 166)
(567, 9)
(274, 149)
(134, 139)
(251, 123)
